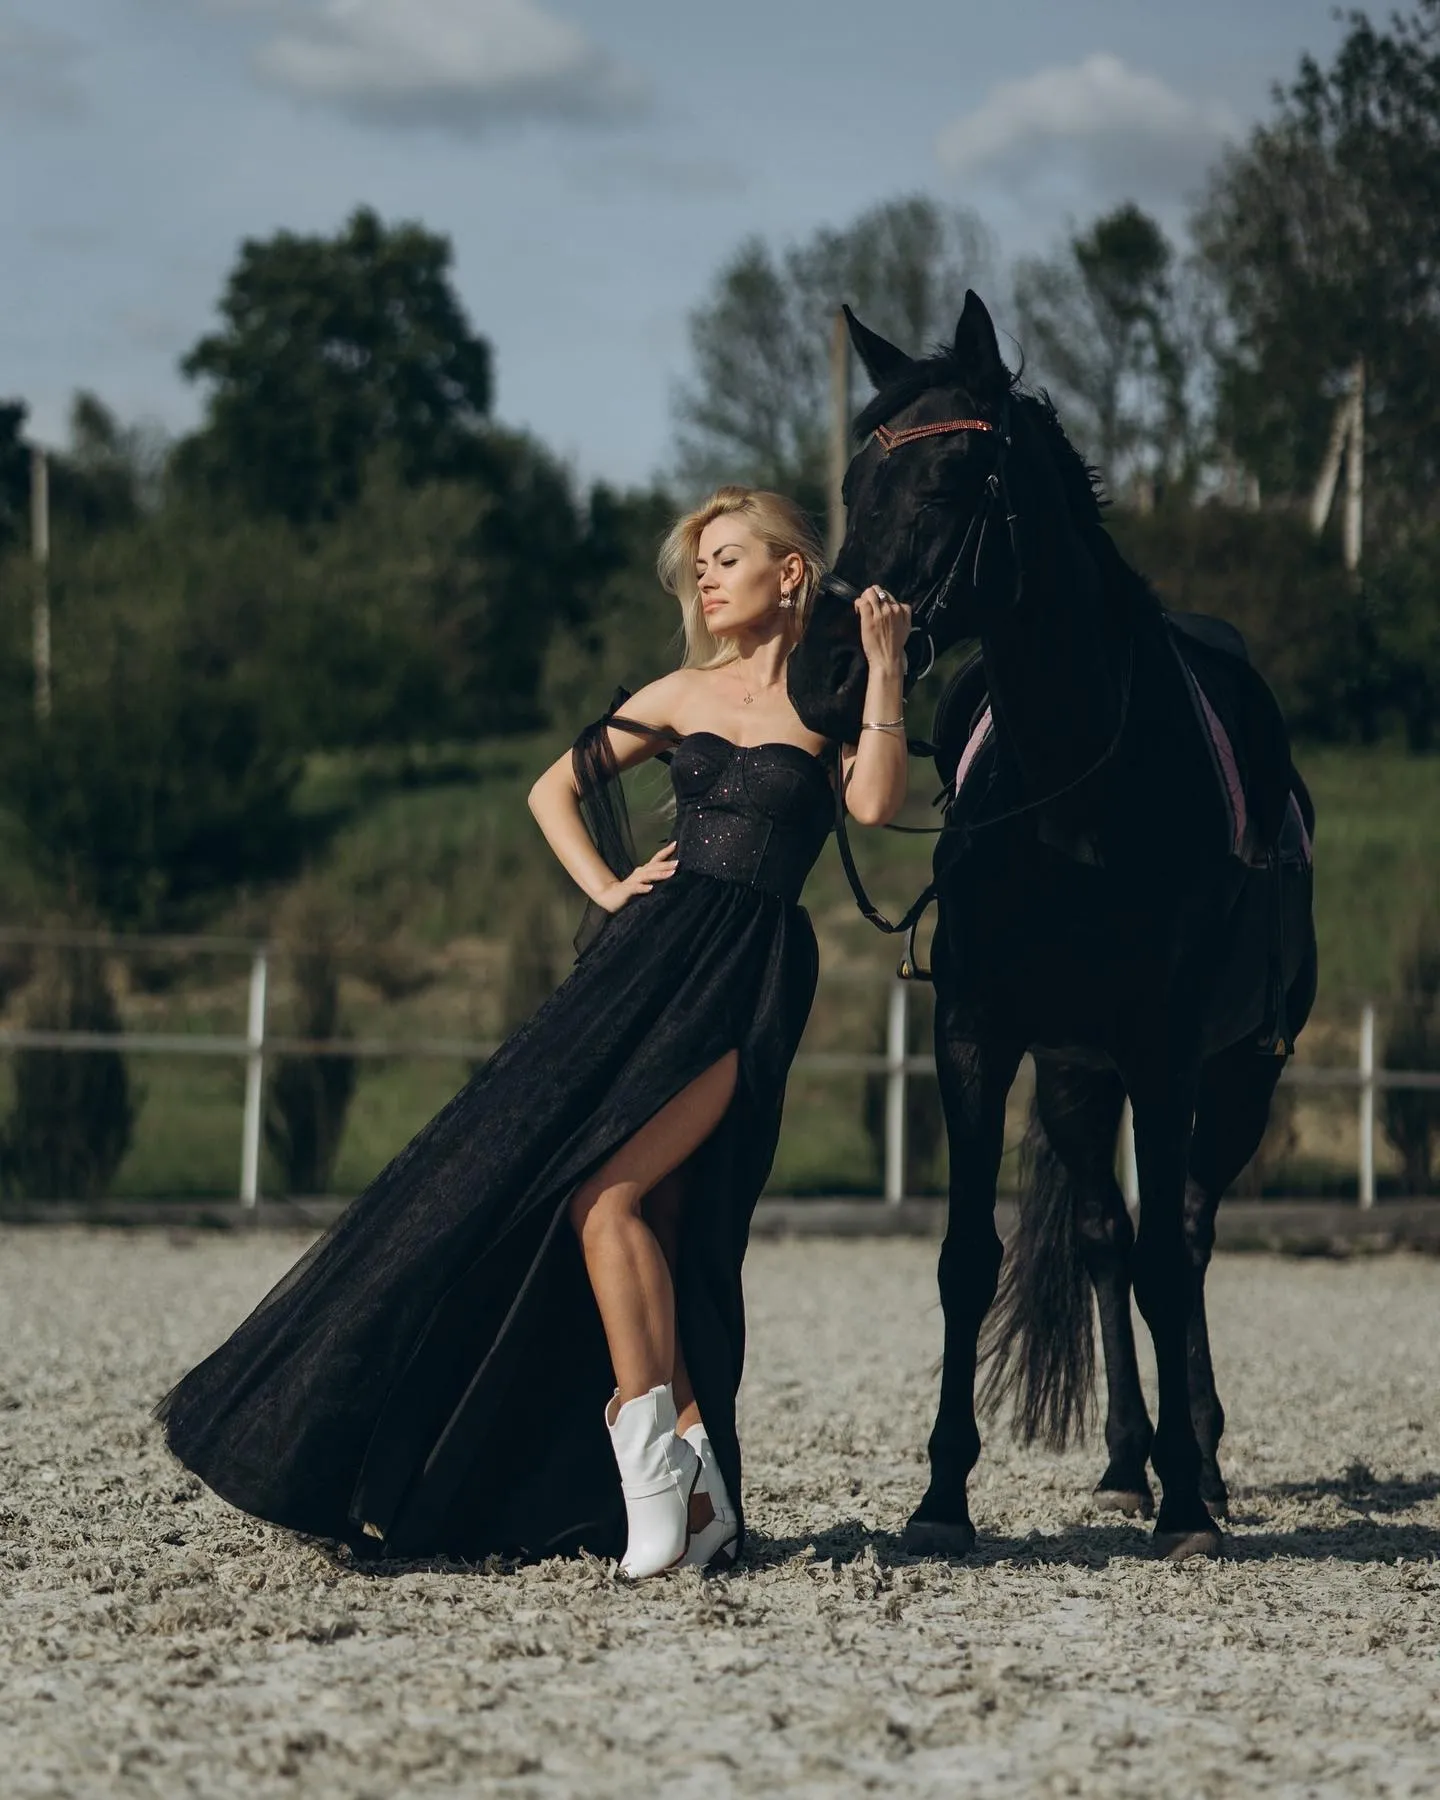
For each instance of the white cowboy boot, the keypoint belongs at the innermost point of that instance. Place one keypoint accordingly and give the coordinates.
(717, 1540)
(658, 1473)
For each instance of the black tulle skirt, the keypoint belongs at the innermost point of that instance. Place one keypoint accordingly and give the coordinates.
(430, 1378)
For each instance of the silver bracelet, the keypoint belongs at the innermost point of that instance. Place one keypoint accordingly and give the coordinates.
(882, 724)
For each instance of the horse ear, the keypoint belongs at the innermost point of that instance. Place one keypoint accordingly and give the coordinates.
(883, 361)
(977, 349)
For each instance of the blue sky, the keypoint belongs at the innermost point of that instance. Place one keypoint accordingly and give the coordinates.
(594, 161)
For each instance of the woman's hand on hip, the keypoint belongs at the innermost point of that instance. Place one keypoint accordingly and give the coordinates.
(640, 880)
(884, 627)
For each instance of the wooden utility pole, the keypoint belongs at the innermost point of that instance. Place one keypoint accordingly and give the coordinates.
(1324, 495)
(40, 549)
(839, 434)
(1347, 443)
(1355, 472)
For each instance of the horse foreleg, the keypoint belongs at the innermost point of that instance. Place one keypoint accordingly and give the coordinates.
(1206, 1413)
(974, 1081)
(1167, 1287)
(1107, 1244)
(1231, 1112)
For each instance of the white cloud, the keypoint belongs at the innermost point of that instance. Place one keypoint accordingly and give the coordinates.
(1115, 127)
(37, 72)
(458, 64)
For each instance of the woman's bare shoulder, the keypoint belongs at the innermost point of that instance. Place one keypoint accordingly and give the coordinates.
(694, 688)
(661, 702)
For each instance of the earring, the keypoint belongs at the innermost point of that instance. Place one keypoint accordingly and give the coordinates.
(785, 601)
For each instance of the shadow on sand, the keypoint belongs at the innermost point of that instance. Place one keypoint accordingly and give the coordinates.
(1359, 1487)
(1360, 1540)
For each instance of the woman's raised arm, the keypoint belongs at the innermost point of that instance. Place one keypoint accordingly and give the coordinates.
(877, 768)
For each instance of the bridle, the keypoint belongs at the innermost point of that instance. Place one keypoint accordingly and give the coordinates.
(925, 618)
(995, 494)
(889, 440)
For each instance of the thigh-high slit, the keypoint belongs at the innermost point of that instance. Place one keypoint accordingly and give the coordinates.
(431, 1378)
(631, 1273)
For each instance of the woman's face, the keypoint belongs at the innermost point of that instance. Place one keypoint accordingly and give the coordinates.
(738, 578)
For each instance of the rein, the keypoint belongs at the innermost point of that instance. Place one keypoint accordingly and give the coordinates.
(995, 492)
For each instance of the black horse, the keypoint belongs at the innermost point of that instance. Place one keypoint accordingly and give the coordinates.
(1123, 887)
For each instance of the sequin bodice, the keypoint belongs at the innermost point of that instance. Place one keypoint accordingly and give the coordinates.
(758, 815)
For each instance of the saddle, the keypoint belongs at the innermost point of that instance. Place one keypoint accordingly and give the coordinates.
(1262, 799)
(1240, 723)
(1269, 819)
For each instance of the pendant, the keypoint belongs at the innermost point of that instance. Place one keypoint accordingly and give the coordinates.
(749, 700)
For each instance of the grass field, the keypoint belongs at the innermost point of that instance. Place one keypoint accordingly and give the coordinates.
(1377, 864)
(436, 862)
(437, 887)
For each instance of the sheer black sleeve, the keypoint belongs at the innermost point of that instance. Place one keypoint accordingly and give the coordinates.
(602, 799)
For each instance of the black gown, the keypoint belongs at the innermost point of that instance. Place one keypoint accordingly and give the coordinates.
(431, 1376)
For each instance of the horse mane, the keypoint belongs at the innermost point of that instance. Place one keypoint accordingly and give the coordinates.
(1083, 486)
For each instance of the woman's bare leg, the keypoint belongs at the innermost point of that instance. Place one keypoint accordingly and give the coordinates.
(662, 1213)
(627, 1267)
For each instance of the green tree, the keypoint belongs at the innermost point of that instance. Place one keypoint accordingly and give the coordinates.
(756, 407)
(1320, 237)
(1310, 635)
(201, 656)
(330, 349)
(14, 475)
(73, 1115)
(308, 1096)
(1403, 601)
(163, 779)
(631, 631)
(108, 474)
(1102, 321)
(1412, 1043)
(428, 612)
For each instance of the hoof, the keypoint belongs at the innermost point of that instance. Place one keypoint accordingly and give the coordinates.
(936, 1537)
(1135, 1503)
(1216, 1497)
(1180, 1546)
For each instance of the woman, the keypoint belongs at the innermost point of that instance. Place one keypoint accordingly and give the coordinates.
(435, 1375)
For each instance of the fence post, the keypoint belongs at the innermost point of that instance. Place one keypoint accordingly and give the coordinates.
(1367, 1105)
(896, 1045)
(254, 1081)
(1129, 1167)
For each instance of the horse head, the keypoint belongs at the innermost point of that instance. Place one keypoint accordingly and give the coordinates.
(951, 454)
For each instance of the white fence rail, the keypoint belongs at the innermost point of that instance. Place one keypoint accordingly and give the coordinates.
(896, 1064)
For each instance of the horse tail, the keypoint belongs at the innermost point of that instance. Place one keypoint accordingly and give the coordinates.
(1039, 1340)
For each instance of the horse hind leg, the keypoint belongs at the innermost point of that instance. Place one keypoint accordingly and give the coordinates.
(1108, 1244)
(1079, 1112)
(1232, 1110)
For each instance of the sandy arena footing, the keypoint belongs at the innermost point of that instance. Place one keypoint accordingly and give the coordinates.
(156, 1643)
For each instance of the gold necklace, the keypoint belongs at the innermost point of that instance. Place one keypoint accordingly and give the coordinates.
(749, 699)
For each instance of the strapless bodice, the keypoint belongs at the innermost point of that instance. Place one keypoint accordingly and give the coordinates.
(756, 814)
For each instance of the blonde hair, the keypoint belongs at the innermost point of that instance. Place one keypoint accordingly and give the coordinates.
(784, 529)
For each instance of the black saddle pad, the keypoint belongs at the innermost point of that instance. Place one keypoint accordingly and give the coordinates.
(1235, 714)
